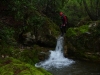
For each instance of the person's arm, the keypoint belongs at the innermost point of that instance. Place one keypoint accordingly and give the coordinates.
(65, 20)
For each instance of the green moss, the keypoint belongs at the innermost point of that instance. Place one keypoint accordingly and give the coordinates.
(83, 29)
(92, 57)
(77, 30)
(11, 66)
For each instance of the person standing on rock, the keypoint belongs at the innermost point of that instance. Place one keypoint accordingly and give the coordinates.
(64, 23)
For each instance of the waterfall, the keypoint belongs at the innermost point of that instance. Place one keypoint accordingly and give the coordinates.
(56, 58)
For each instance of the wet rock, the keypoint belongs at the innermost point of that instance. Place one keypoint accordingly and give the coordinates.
(43, 56)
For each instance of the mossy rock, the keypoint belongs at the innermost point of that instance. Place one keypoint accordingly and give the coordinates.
(11, 66)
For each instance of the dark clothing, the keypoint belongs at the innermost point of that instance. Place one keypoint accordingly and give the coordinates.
(64, 20)
(63, 30)
(63, 25)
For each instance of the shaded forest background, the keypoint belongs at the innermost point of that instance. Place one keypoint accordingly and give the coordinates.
(35, 23)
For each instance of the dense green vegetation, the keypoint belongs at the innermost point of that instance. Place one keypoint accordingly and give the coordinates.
(25, 25)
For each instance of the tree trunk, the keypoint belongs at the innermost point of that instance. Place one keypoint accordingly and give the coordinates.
(88, 12)
(97, 9)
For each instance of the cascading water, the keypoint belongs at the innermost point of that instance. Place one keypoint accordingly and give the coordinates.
(56, 58)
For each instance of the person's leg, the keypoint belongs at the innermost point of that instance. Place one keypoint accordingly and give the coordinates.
(64, 29)
(61, 28)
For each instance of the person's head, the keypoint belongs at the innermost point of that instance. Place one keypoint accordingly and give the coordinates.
(61, 13)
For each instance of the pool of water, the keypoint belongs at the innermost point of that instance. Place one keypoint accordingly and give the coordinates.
(78, 68)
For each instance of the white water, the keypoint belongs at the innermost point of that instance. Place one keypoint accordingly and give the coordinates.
(56, 58)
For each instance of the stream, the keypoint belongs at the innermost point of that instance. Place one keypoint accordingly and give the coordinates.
(78, 68)
(57, 64)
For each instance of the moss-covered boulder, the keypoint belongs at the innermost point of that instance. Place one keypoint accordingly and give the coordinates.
(83, 42)
(11, 66)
